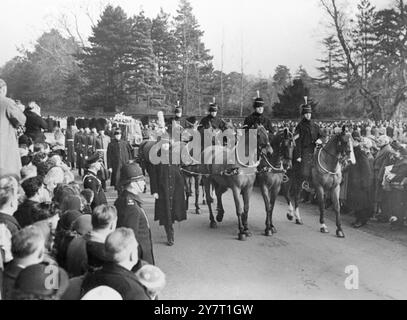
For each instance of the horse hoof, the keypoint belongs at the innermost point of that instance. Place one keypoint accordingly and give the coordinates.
(242, 237)
(247, 233)
(198, 211)
(324, 230)
(268, 233)
(340, 234)
(213, 225)
(219, 217)
(290, 217)
(299, 222)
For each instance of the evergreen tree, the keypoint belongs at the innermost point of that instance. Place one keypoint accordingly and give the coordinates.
(291, 99)
(332, 65)
(109, 62)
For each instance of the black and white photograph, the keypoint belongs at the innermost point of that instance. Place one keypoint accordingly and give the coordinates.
(206, 153)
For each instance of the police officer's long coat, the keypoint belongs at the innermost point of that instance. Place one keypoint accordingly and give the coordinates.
(166, 180)
(119, 153)
(130, 214)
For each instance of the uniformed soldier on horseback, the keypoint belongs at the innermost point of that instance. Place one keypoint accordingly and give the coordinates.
(258, 118)
(307, 136)
(176, 124)
(211, 123)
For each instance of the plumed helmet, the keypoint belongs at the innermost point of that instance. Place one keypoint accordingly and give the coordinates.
(178, 110)
(70, 121)
(258, 102)
(213, 107)
(101, 124)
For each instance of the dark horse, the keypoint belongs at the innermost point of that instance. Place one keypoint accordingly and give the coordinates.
(327, 178)
(271, 173)
(234, 175)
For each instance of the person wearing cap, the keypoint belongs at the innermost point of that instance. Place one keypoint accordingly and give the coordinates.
(78, 145)
(153, 279)
(211, 121)
(92, 182)
(308, 135)
(176, 122)
(11, 118)
(101, 144)
(122, 251)
(258, 118)
(119, 153)
(130, 212)
(34, 283)
(69, 142)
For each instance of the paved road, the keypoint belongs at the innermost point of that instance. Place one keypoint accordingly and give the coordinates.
(296, 263)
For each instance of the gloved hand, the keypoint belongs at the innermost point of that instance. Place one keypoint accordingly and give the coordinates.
(299, 159)
(156, 196)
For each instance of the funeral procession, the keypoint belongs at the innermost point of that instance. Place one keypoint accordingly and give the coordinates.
(170, 150)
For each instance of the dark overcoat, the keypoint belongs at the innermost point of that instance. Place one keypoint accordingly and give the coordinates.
(33, 126)
(130, 214)
(166, 180)
(119, 153)
(360, 187)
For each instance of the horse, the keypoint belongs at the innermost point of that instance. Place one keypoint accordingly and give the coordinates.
(327, 178)
(239, 177)
(271, 173)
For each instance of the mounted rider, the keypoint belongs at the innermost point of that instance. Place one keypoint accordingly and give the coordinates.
(258, 118)
(308, 136)
(211, 122)
(176, 123)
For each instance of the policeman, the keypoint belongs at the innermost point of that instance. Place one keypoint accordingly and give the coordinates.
(307, 135)
(91, 180)
(258, 118)
(130, 213)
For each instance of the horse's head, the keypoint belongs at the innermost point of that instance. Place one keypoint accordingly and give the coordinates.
(344, 146)
(287, 148)
(263, 140)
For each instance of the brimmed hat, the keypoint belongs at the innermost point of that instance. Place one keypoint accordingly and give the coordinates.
(129, 173)
(35, 280)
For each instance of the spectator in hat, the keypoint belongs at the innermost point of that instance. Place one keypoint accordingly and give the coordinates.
(34, 283)
(130, 211)
(119, 153)
(92, 182)
(360, 187)
(88, 252)
(122, 249)
(9, 203)
(153, 279)
(11, 118)
(28, 246)
(35, 124)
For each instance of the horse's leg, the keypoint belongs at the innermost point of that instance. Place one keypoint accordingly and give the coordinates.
(236, 197)
(265, 193)
(297, 192)
(321, 204)
(246, 192)
(335, 202)
(220, 211)
(197, 182)
(274, 192)
(209, 201)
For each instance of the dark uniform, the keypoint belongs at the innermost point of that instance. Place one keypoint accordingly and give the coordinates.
(130, 213)
(78, 140)
(70, 141)
(308, 133)
(101, 143)
(91, 181)
(211, 122)
(256, 119)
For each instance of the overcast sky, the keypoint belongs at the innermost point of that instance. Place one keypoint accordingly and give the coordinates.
(272, 32)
